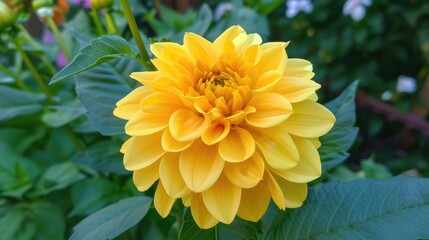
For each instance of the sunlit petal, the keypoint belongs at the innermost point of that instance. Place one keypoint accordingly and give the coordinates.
(200, 166)
(170, 176)
(129, 105)
(201, 215)
(162, 202)
(143, 151)
(144, 178)
(237, 146)
(271, 110)
(254, 202)
(246, 174)
(185, 125)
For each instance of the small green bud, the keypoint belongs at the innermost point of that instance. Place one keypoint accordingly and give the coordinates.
(7, 16)
(101, 4)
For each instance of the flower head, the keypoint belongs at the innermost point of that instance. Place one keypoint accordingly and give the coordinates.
(293, 7)
(225, 126)
(356, 8)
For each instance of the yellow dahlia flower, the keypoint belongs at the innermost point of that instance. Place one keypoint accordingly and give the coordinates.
(226, 126)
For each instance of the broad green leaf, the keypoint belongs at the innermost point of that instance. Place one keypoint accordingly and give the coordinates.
(104, 156)
(100, 88)
(16, 172)
(238, 230)
(343, 134)
(59, 116)
(14, 102)
(90, 195)
(97, 52)
(395, 208)
(20, 139)
(32, 220)
(113, 220)
(57, 177)
(200, 26)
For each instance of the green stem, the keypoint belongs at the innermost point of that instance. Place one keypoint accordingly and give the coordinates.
(45, 60)
(112, 28)
(96, 19)
(57, 35)
(134, 30)
(31, 67)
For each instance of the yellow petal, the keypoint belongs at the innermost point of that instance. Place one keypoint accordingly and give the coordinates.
(294, 193)
(273, 57)
(200, 166)
(254, 202)
(146, 78)
(201, 215)
(185, 125)
(276, 191)
(200, 48)
(129, 105)
(143, 151)
(243, 41)
(267, 80)
(277, 147)
(215, 132)
(253, 54)
(169, 51)
(126, 144)
(186, 200)
(296, 89)
(169, 174)
(159, 102)
(222, 200)
(299, 68)
(170, 144)
(145, 123)
(163, 203)
(271, 110)
(144, 178)
(310, 119)
(309, 166)
(229, 34)
(237, 146)
(246, 174)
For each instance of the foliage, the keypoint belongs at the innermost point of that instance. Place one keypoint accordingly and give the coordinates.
(61, 173)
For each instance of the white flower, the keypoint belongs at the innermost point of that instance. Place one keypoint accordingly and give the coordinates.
(387, 95)
(44, 12)
(356, 8)
(221, 9)
(406, 84)
(293, 7)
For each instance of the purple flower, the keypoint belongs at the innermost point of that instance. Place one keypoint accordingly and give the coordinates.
(47, 36)
(85, 3)
(61, 60)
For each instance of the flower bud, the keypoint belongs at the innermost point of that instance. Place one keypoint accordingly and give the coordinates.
(7, 16)
(101, 4)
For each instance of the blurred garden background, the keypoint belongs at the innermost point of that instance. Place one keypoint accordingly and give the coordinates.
(60, 159)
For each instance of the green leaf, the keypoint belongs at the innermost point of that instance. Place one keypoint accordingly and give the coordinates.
(57, 177)
(90, 195)
(100, 88)
(395, 208)
(200, 26)
(113, 220)
(32, 220)
(14, 102)
(97, 52)
(343, 134)
(20, 139)
(104, 156)
(16, 172)
(62, 115)
(238, 230)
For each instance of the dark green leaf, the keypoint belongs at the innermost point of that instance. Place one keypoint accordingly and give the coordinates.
(341, 137)
(238, 230)
(104, 157)
(62, 115)
(20, 139)
(97, 52)
(113, 220)
(396, 208)
(35, 220)
(100, 88)
(14, 102)
(57, 177)
(91, 195)
(201, 25)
